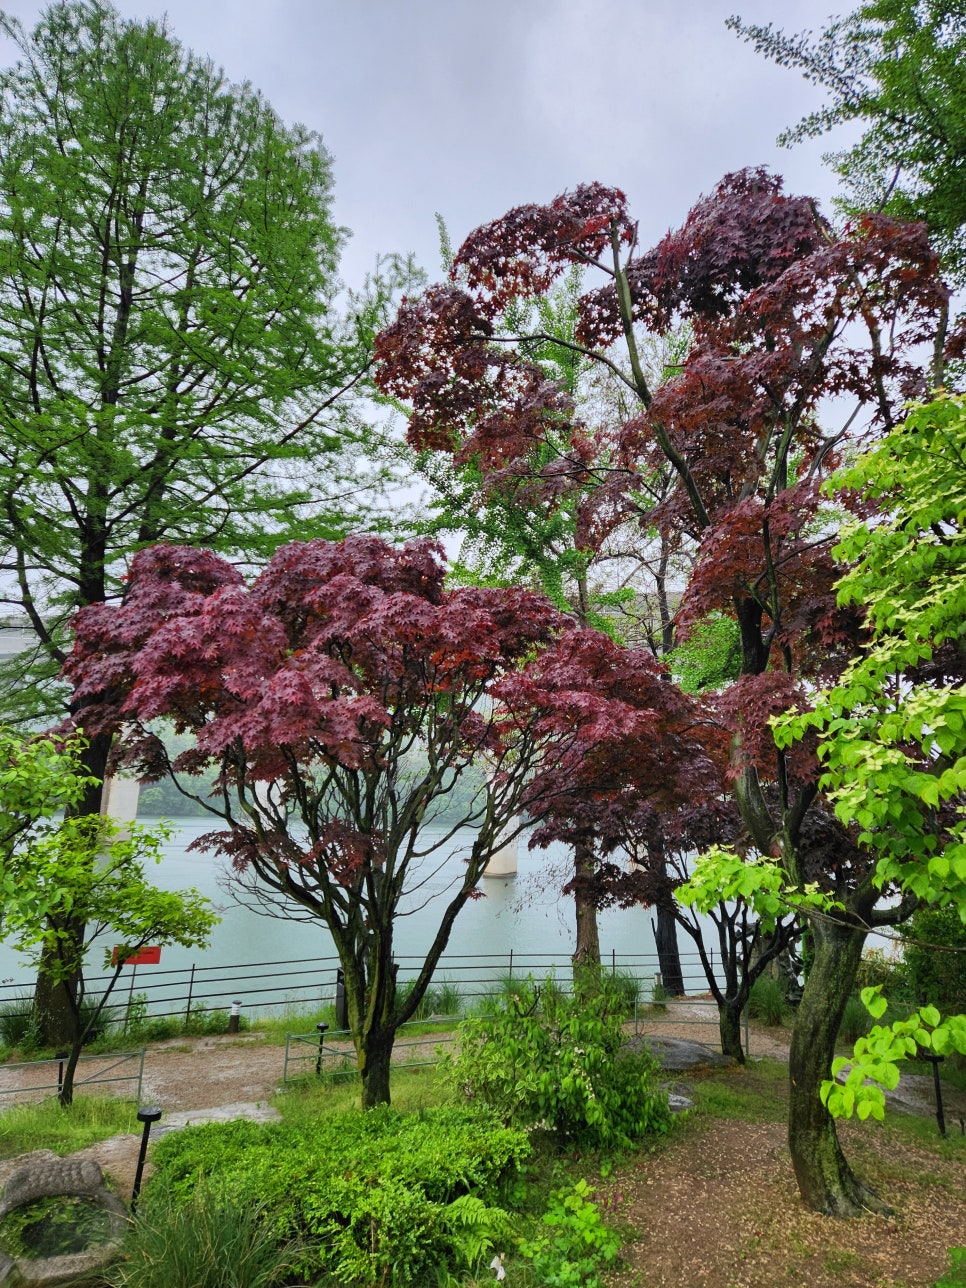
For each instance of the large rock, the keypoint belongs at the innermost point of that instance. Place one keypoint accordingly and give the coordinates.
(678, 1056)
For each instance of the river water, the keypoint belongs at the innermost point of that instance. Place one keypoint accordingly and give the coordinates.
(524, 914)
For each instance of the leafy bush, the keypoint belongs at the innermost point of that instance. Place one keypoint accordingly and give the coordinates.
(545, 1058)
(569, 1257)
(937, 977)
(767, 1001)
(372, 1198)
(626, 988)
(18, 1028)
(891, 973)
(208, 1242)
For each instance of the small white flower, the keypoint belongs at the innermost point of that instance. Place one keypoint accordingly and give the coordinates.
(497, 1265)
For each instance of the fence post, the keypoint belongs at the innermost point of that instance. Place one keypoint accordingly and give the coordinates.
(510, 972)
(191, 991)
(747, 1036)
(130, 996)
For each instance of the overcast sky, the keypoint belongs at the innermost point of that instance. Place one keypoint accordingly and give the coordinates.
(469, 107)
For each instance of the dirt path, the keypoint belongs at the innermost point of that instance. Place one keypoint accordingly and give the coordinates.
(720, 1209)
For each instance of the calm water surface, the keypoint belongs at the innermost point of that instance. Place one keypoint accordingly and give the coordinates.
(522, 913)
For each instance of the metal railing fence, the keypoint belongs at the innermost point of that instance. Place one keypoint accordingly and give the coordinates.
(101, 1076)
(307, 984)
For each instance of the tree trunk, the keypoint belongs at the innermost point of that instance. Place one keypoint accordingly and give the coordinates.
(375, 1058)
(668, 954)
(730, 1011)
(586, 958)
(825, 1179)
(55, 1006)
(66, 1093)
(55, 1002)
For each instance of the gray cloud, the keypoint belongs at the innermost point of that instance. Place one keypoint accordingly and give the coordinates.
(470, 108)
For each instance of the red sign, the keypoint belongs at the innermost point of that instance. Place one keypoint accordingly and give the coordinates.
(147, 956)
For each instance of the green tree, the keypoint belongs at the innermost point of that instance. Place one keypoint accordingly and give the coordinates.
(171, 367)
(896, 67)
(56, 875)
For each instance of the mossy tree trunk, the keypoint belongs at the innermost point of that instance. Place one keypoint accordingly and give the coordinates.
(825, 1179)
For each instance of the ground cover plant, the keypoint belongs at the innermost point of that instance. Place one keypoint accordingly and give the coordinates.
(373, 1197)
(48, 1125)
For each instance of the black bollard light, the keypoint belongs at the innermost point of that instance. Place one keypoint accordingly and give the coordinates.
(148, 1115)
(234, 1016)
(320, 1029)
(935, 1060)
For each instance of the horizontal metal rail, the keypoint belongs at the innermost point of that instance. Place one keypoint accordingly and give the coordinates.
(96, 1079)
(274, 986)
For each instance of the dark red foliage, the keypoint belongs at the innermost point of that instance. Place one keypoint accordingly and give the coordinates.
(630, 736)
(789, 317)
(747, 233)
(523, 253)
(468, 396)
(330, 647)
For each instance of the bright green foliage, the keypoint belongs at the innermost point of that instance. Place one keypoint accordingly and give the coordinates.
(956, 1275)
(570, 1256)
(878, 1056)
(66, 883)
(373, 1198)
(552, 1059)
(710, 657)
(893, 746)
(172, 365)
(894, 751)
(86, 870)
(896, 66)
(37, 778)
(721, 875)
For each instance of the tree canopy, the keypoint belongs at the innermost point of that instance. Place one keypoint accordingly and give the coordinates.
(786, 313)
(172, 365)
(896, 67)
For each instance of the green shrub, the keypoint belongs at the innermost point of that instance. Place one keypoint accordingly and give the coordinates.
(936, 976)
(767, 1001)
(626, 989)
(443, 998)
(569, 1257)
(208, 1242)
(891, 973)
(18, 1028)
(372, 1198)
(551, 1059)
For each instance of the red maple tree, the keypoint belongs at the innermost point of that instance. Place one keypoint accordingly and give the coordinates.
(341, 697)
(787, 313)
